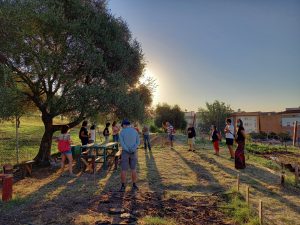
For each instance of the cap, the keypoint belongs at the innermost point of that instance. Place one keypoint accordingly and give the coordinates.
(125, 122)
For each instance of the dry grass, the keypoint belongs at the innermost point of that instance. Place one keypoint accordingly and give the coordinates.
(170, 174)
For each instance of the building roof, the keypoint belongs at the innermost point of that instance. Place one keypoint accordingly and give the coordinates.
(291, 110)
(245, 114)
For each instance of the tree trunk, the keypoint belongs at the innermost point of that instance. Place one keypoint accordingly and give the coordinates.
(45, 147)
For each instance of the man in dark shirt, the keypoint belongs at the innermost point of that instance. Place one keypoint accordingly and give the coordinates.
(83, 133)
(191, 137)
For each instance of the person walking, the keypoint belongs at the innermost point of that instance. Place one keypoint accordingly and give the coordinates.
(84, 134)
(215, 137)
(229, 130)
(115, 131)
(146, 137)
(129, 140)
(239, 152)
(64, 147)
(191, 137)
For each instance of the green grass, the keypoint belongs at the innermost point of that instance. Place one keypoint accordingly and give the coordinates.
(239, 210)
(265, 148)
(30, 134)
(148, 220)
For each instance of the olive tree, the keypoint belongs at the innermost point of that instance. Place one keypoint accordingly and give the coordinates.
(70, 57)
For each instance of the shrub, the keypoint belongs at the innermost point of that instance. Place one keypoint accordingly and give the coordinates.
(154, 129)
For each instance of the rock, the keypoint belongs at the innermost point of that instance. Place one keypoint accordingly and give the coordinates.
(128, 216)
(105, 222)
(116, 210)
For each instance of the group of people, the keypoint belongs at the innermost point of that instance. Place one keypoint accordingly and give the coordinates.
(239, 137)
(231, 136)
(129, 139)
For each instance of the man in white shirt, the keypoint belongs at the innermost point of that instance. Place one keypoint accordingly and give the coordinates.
(229, 134)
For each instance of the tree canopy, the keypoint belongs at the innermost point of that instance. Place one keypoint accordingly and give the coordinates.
(214, 114)
(172, 114)
(71, 57)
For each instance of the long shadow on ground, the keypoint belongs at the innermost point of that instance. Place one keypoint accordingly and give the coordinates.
(252, 178)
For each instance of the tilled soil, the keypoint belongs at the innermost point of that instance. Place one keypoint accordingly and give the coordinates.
(124, 208)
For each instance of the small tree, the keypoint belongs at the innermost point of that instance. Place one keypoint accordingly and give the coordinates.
(12, 104)
(214, 114)
(174, 115)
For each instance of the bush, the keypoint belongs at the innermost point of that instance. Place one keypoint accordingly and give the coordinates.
(260, 135)
(154, 129)
(284, 136)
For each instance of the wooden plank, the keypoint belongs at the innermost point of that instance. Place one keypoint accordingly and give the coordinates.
(260, 212)
(247, 194)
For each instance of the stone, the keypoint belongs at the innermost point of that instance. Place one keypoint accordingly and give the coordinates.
(116, 210)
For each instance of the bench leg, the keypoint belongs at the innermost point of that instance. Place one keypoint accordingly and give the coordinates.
(116, 162)
(104, 159)
(28, 169)
(85, 164)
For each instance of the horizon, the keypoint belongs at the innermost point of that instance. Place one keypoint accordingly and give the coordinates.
(245, 54)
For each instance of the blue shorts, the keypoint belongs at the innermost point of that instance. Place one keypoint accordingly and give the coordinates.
(171, 137)
(128, 160)
(69, 152)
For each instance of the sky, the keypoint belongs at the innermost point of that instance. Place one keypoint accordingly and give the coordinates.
(245, 53)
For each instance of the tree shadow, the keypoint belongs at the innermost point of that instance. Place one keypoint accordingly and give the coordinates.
(253, 177)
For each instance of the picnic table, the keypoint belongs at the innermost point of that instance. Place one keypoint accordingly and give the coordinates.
(97, 153)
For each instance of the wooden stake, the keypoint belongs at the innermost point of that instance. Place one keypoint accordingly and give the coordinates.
(238, 182)
(260, 212)
(247, 194)
(295, 133)
(296, 174)
(282, 175)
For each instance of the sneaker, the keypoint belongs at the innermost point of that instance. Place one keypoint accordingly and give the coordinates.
(193, 150)
(190, 150)
(134, 187)
(122, 189)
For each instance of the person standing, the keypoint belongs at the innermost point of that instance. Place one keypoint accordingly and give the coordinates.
(191, 137)
(146, 137)
(64, 147)
(129, 140)
(106, 132)
(215, 137)
(92, 134)
(239, 152)
(84, 134)
(171, 132)
(229, 130)
(115, 131)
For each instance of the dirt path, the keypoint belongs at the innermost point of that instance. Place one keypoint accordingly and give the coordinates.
(178, 185)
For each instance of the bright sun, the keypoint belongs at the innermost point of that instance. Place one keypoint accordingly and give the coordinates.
(148, 74)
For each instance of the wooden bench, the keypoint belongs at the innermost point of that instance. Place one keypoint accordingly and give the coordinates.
(113, 146)
(97, 153)
(26, 168)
